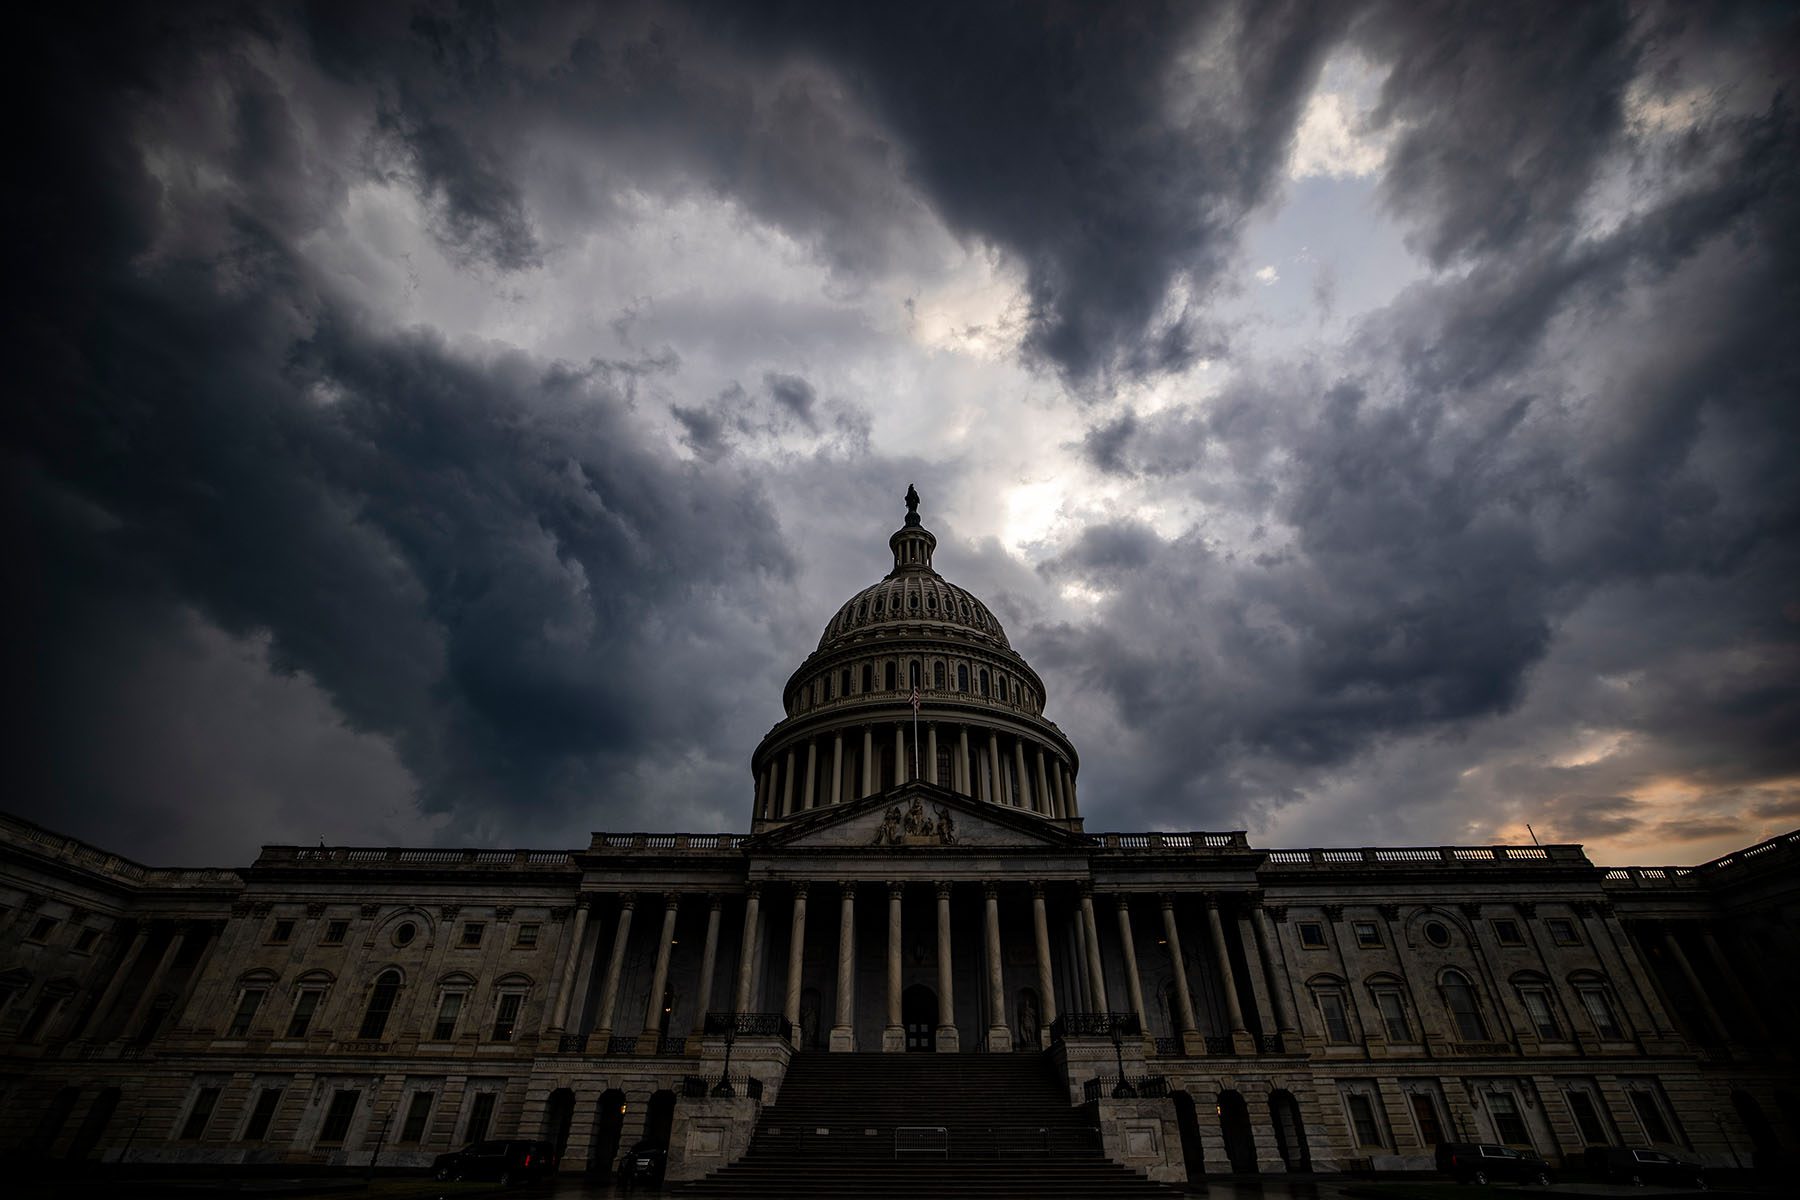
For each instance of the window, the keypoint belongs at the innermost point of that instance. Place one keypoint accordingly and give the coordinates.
(417, 1113)
(1366, 933)
(1587, 1117)
(480, 1116)
(249, 1000)
(305, 1005)
(335, 932)
(1437, 933)
(868, 678)
(449, 1008)
(404, 933)
(1459, 998)
(844, 682)
(1393, 1015)
(471, 932)
(887, 674)
(339, 1115)
(1362, 1119)
(1562, 931)
(1425, 1112)
(1312, 935)
(1506, 932)
(528, 935)
(937, 676)
(381, 1003)
(1337, 1020)
(281, 933)
(1508, 1124)
(41, 929)
(981, 685)
(195, 1126)
(962, 678)
(267, 1101)
(1649, 1114)
(1543, 1017)
(1600, 1012)
(507, 1016)
(84, 941)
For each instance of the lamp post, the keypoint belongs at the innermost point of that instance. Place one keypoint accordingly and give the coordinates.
(1124, 1090)
(723, 1089)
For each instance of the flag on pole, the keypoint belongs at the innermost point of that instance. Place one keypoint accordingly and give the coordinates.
(915, 701)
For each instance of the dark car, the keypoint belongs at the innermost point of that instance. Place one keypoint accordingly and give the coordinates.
(502, 1162)
(1629, 1164)
(1485, 1162)
(645, 1164)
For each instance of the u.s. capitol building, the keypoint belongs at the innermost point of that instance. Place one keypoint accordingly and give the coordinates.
(916, 879)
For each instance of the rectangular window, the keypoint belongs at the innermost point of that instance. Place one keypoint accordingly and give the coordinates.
(449, 1009)
(1362, 1116)
(528, 935)
(339, 1116)
(1543, 1017)
(1393, 1016)
(335, 932)
(1367, 934)
(1587, 1117)
(479, 1117)
(1506, 932)
(41, 929)
(1600, 1012)
(471, 932)
(1649, 1114)
(1312, 935)
(84, 941)
(1431, 1130)
(281, 933)
(195, 1126)
(248, 1003)
(1562, 931)
(267, 1101)
(304, 1007)
(416, 1115)
(507, 1016)
(1337, 1022)
(1507, 1121)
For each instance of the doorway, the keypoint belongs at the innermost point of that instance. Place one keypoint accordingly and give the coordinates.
(659, 1119)
(918, 1012)
(609, 1121)
(99, 1116)
(1290, 1131)
(559, 1115)
(1234, 1125)
(1193, 1150)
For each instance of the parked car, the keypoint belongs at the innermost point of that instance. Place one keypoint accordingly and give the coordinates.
(645, 1164)
(502, 1162)
(1629, 1164)
(1484, 1162)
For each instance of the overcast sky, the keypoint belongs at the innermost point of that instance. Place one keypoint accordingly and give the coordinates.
(1376, 422)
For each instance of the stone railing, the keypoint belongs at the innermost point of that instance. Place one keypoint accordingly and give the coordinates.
(1767, 852)
(1166, 843)
(48, 844)
(1402, 857)
(718, 1024)
(680, 843)
(1143, 1087)
(391, 857)
(1095, 1024)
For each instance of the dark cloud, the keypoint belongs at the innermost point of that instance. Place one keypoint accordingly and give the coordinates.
(794, 394)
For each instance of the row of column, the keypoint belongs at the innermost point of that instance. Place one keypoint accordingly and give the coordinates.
(1041, 779)
(88, 1024)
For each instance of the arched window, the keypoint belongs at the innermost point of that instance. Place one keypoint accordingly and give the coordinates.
(868, 678)
(1459, 998)
(381, 1004)
(937, 675)
(962, 677)
(982, 684)
(844, 682)
(888, 675)
(912, 670)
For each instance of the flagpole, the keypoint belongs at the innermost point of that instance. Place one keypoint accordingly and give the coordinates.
(915, 706)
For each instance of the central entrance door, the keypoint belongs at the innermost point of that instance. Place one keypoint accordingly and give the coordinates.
(918, 1012)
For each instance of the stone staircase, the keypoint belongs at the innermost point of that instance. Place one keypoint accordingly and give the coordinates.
(868, 1126)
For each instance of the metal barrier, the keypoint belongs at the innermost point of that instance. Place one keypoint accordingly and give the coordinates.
(921, 1139)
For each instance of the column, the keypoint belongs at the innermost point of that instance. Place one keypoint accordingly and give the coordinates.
(868, 783)
(1084, 978)
(947, 1041)
(999, 1032)
(931, 766)
(117, 984)
(1043, 787)
(1693, 981)
(747, 950)
(1234, 1009)
(1040, 932)
(762, 794)
(1074, 800)
(211, 933)
(997, 782)
(837, 768)
(812, 768)
(1062, 803)
(141, 1009)
(1026, 799)
(1134, 986)
(1268, 947)
(609, 993)
(560, 1018)
(651, 1033)
(893, 1038)
(1191, 1041)
(796, 960)
(1732, 983)
(709, 960)
(964, 779)
(843, 1032)
(902, 764)
(787, 784)
(1096, 975)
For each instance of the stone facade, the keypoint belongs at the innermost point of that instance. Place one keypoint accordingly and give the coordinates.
(1274, 1010)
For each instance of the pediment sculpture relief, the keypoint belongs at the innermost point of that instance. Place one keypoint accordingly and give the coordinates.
(915, 827)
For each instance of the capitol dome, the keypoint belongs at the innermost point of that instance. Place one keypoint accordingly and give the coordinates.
(851, 729)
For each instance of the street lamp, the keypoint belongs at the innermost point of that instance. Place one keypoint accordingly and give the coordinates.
(723, 1089)
(1124, 1090)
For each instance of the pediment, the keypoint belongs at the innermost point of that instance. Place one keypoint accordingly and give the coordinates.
(917, 816)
